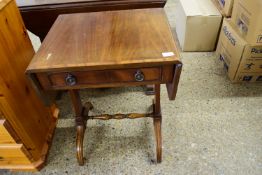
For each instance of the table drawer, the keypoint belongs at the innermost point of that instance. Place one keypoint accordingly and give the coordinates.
(79, 78)
(5, 130)
(13, 154)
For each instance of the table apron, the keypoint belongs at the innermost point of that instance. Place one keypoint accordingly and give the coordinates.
(106, 78)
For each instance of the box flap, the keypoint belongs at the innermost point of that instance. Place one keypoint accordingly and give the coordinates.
(199, 8)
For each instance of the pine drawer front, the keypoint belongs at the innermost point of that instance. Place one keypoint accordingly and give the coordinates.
(5, 136)
(13, 154)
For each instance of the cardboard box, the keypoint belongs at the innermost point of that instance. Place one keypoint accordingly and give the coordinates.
(247, 16)
(242, 61)
(226, 7)
(197, 25)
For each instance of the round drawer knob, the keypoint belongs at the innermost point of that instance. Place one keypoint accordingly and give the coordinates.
(70, 80)
(139, 76)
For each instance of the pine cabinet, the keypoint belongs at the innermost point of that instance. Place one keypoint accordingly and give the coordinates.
(26, 124)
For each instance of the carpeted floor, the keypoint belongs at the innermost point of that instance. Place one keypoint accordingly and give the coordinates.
(213, 127)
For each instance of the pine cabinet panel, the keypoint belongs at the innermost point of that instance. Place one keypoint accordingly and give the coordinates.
(26, 124)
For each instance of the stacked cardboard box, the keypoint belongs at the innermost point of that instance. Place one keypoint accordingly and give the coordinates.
(197, 25)
(240, 42)
(247, 16)
(224, 6)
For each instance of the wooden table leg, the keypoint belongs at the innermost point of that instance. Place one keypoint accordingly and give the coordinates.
(80, 124)
(157, 123)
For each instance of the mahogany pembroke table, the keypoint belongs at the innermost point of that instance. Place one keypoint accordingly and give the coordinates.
(108, 49)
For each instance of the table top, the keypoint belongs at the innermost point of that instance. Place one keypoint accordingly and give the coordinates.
(104, 40)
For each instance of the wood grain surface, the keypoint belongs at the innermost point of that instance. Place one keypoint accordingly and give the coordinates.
(1, 115)
(3, 3)
(5, 136)
(13, 154)
(103, 40)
